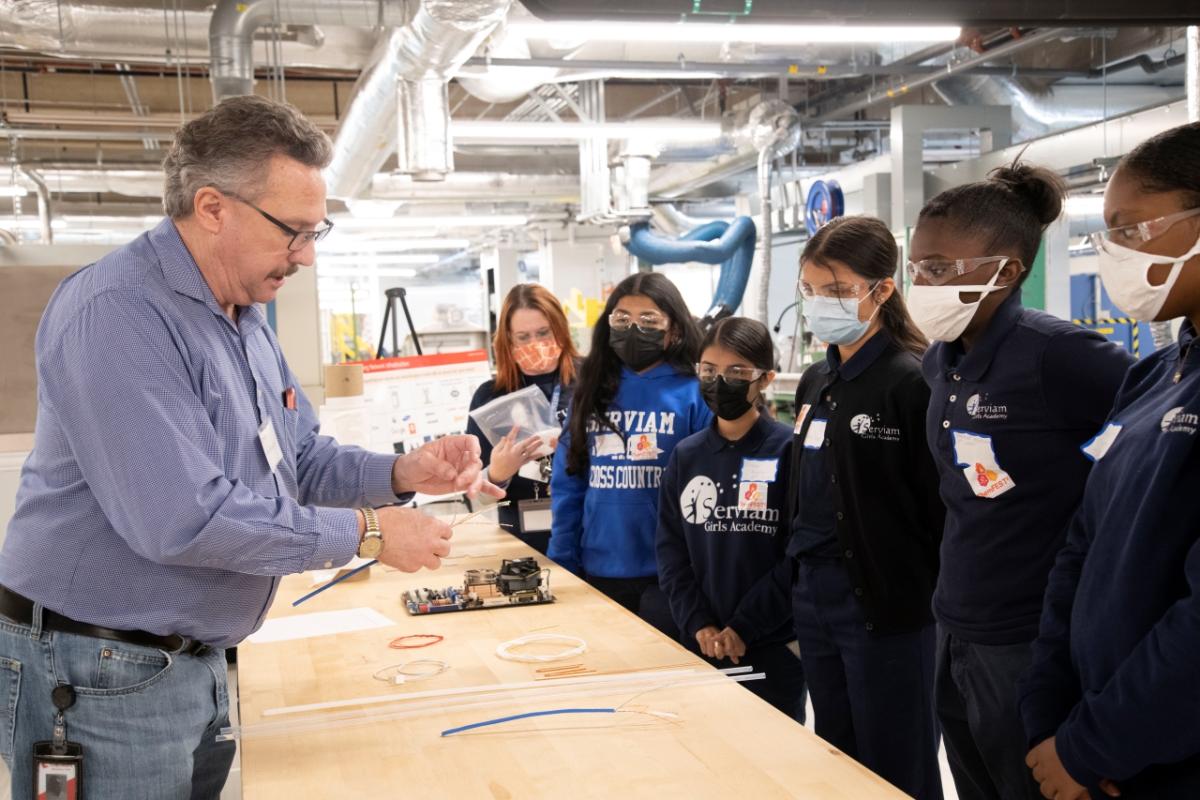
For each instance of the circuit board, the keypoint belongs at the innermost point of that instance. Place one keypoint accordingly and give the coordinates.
(518, 582)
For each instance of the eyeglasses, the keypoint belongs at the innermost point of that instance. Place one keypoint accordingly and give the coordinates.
(645, 322)
(840, 291)
(939, 271)
(1136, 235)
(525, 337)
(733, 376)
(300, 239)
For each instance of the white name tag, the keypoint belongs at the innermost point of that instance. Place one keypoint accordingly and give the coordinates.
(270, 444)
(608, 444)
(975, 454)
(1097, 447)
(643, 447)
(815, 438)
(762, 470)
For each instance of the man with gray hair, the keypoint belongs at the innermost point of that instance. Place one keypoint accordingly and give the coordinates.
(178, 470)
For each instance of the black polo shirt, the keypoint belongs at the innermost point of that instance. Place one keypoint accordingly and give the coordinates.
(1005, 424)
(813, 525)
(881, 482)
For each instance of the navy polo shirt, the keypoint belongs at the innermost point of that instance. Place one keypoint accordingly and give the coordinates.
(720, 541)
(813, 524)
(1005, 424)
(1114, 673)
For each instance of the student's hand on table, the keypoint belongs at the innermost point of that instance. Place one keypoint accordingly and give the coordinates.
(731, 645)
(411, 539)
(444, 466)
(509, 455)
(706, 637)
(1052, 777)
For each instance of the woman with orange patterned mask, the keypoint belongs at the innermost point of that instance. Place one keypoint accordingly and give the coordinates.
(533, 347)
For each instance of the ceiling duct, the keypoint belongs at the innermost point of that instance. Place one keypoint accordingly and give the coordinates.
(442, 35)
(234, 22)
(1039, 113)
(144, 35)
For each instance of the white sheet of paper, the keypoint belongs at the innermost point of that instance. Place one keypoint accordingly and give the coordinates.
(321, 623)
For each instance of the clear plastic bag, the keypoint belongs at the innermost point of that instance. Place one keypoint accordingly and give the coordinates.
(527, 409)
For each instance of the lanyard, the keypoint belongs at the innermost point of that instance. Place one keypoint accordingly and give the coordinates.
(555, 396)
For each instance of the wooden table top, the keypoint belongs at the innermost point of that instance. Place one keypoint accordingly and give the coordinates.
(724, 743)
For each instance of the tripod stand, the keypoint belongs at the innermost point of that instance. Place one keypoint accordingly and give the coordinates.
(389, 315)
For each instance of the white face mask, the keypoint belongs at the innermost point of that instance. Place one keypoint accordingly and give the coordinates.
(938, 311)
(1126, 276)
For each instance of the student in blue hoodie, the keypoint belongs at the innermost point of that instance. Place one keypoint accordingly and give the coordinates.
(720, 539)
(1111, 704)
(1014, 392)
(636, 398)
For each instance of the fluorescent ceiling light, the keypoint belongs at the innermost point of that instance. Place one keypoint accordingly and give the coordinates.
(13, 191)
(372, 258)
(458, 221)
(720, 33)
(574, 131)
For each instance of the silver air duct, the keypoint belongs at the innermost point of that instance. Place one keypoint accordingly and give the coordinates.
(231, 31)
(442, 35)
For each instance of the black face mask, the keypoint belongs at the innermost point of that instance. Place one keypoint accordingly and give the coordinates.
(638, 349)
(727, 402)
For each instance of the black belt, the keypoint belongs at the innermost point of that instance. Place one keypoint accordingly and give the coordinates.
(20, 610)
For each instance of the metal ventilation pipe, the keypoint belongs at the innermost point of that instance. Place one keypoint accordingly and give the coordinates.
(443, 34)
(234, 22)
(43, 196)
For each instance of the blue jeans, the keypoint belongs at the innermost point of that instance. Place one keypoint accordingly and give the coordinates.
(872, 695)
(147, 719)
(976, 699)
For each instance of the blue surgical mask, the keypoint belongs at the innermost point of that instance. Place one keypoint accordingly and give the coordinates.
(836, 321)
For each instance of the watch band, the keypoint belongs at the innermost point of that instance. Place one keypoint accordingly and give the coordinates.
(372, 540)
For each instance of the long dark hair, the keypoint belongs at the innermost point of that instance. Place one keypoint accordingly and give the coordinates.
(867, 247)
(1168, 162)
(600, 375)
(1012, 207)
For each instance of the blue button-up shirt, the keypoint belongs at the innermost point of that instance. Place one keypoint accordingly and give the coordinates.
(148, 502)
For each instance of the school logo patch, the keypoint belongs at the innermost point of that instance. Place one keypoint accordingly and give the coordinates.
(978, 407)
(1175, 421)
(872, 427)
(698, 500)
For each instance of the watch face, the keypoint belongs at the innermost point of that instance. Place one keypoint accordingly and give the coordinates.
(371, 547)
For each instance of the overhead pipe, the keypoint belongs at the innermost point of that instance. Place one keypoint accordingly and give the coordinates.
(874, 97)
(234, 23)
(69, 30)
(442, 35)
(43, 196)
(1036, 114)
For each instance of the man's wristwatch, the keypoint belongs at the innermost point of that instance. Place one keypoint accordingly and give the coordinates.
(372, 541)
